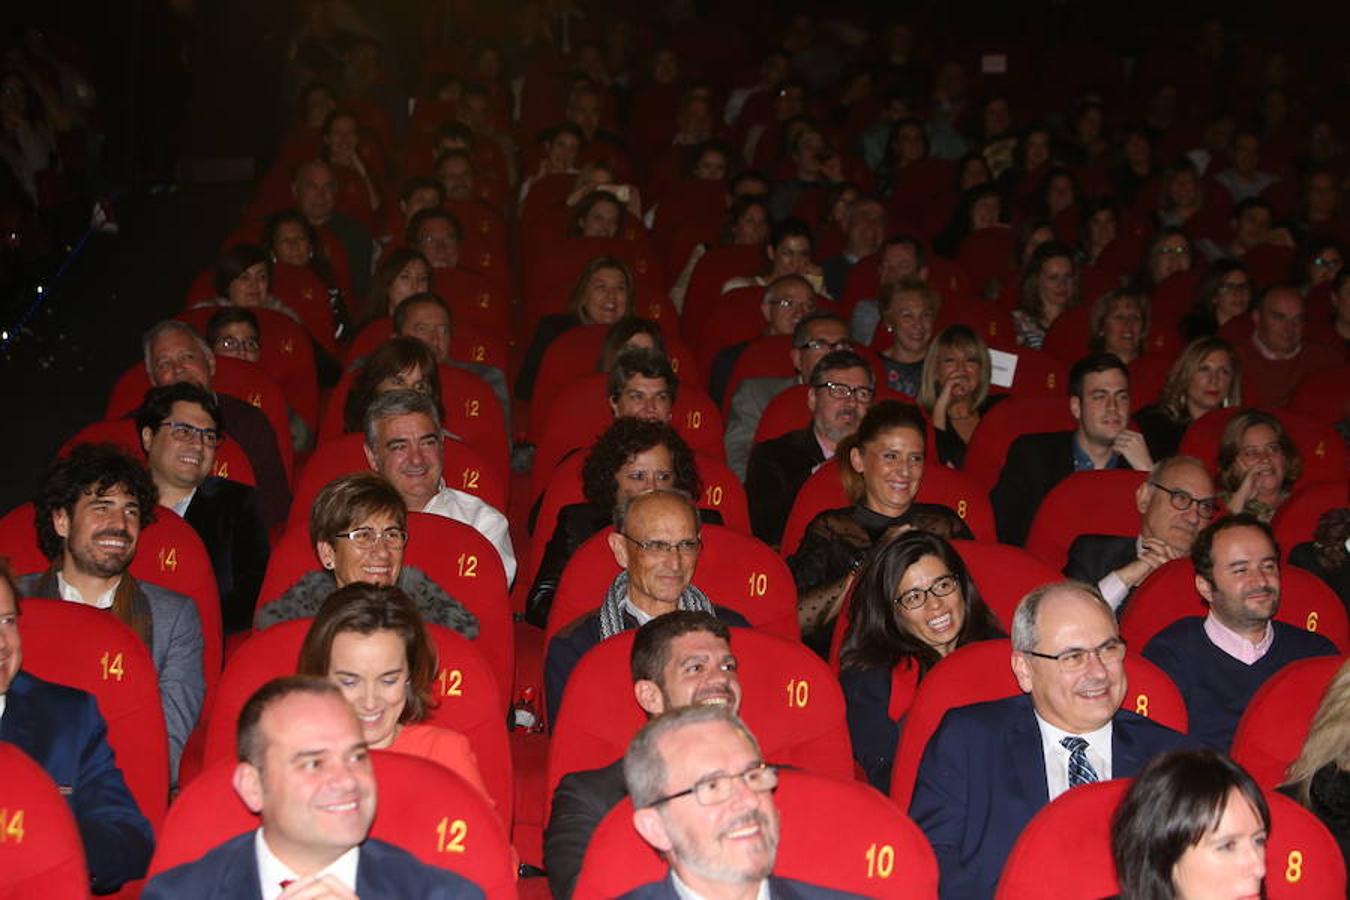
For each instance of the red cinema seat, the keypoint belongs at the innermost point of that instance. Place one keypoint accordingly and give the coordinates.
(1065, 850)
(455, 556)
(231, 460)
(465, 469)
(467, 695)
(986, 255)
(41, 854)
(1148, 377)
(735, 571)
(1097, 502)
(1323, 396)
(1006, 422)
(473, 298)
(1169, 594)
(737, 316)
(1322, 449)
(1303, 859)
(89, 649)
(767, 356)
(423, 808)
(1039, 375)
(835, 834)
(1296, 519)
(468, 343)
(790, 699)
(983, 671)
(1067, 340)
(1270, 734)
(714, 269)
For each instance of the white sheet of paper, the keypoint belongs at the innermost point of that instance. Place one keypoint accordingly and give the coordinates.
(1002, 368)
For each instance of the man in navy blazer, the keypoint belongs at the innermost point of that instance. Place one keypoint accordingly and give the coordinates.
(61, 729)
(305, 769)
(990, 767)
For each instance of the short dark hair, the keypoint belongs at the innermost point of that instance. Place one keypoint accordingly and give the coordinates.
(249, 746)
(426, 298)
(651, 644)
(804, 326)
(1091, 365)
(454, 153)
(89, 468)
(159, 401)
(1202, 551)
(423, 183)
(790, 227)
(837, 361)
(623, 440)
(1253, 203)
(235, 261)
(423, 216)
(644, 361)
(393, 357)
(624, 330)
(230, 315)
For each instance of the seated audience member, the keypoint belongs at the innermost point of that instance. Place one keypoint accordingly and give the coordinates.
(174, 352)
(632, 456)
(401, 274)
(602, 295)
(642, 384)
(90, 510)
(437, 234)
(881, 465)
(1049, 286)
(815, 336)
(1258, 464)
(1320, 777)
(62, 730)
(1250, 226)
(598, 214)
(914, 604)
(1276, 356)
(405, 445)
(179, 428)
(233, 331)
(369, 640)
(902, 259)
(1219, 661)
(359, 527)
(1244, 178)
(687, 770)
(1225, 294)
(1174, 503)
(787, 300)
(289, 239)
(243, 278)
(908, 310)
(746, 225)
(788, 253)
(954, 390)
(1327, 555)
(1206, 376)
(678, 659)
(1192, 826)
(305, 769)
(841, 390)
(629, 334)
(1119, 324)
(1099, 398)
(399, 364)
(427, 318)
(864, 230)
(1169, 253)
(990, 767)
(656, 542)
(315, 189)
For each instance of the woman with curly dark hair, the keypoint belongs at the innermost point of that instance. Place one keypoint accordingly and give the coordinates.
(401, 363)
(632, 456)
(915, 603)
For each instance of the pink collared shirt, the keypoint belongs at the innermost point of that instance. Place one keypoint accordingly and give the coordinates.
(1234, 644)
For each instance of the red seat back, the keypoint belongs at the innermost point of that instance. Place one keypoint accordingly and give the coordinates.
(1323, 396)
(231, 460)
(1065, 850)
(1004, 574)
(1296, 519)
(1006, 422)
(1270, 734)
(41, 855)
(1322, 449)
(1097, 502)
(468, 343)
(1303, 859)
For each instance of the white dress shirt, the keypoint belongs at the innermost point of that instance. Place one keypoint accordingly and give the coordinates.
(1057, 755)
(272, 871)
(71, 595)
(479, 515)
(685, 892)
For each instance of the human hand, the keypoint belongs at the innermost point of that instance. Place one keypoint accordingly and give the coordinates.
(1131, 445)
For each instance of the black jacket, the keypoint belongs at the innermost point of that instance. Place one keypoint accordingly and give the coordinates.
(225, 516)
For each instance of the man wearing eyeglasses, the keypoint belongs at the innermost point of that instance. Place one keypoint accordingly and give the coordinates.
(179, 427)
(656, 542)
(990, 767)
(815, 336)
(1219, 661)
(787, 300)
(703, 798)
(841, 388)
(1174, 503)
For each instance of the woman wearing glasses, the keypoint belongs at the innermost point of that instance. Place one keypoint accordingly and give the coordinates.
(359, 527)
(1169, 253)
(914, 604)
(1258, 464)
(881, 465)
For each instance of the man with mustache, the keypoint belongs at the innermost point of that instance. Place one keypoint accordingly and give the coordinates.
(89, 514)
(678, 659)
(990, 767)
(842, 388)
(1219, 661)
(1099, 399)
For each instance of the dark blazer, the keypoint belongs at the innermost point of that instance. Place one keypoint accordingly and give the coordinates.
(779, 889)
(230, 872)
(248, 425)
(776, 472)
(580, 802)
(982, 778)
(62, 730)
(225, 516)
(1035, 463)
(1094, 556)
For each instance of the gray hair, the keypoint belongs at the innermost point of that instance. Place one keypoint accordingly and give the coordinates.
(398, 403)
(644, 769)
(1025, 635)
(165, 327)
(625, 509)
(1163, 465)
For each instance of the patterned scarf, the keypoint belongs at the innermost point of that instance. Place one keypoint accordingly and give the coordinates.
(611, 611)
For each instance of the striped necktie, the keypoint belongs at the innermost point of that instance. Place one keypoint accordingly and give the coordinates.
(1080, 770)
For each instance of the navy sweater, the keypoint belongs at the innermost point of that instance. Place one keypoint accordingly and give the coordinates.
(1217, 687)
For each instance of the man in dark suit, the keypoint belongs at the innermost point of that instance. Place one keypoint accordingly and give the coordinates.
(679, 659)
(1099, 398)
(62, 730)
(305, 769)
(179, 425)
(1174, 503)
(703, 797)
(842, 387)
(990, 767)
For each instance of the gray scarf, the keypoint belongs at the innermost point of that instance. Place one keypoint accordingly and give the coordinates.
(611, 610)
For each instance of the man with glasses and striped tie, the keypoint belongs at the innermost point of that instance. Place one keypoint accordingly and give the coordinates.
(991, 766)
